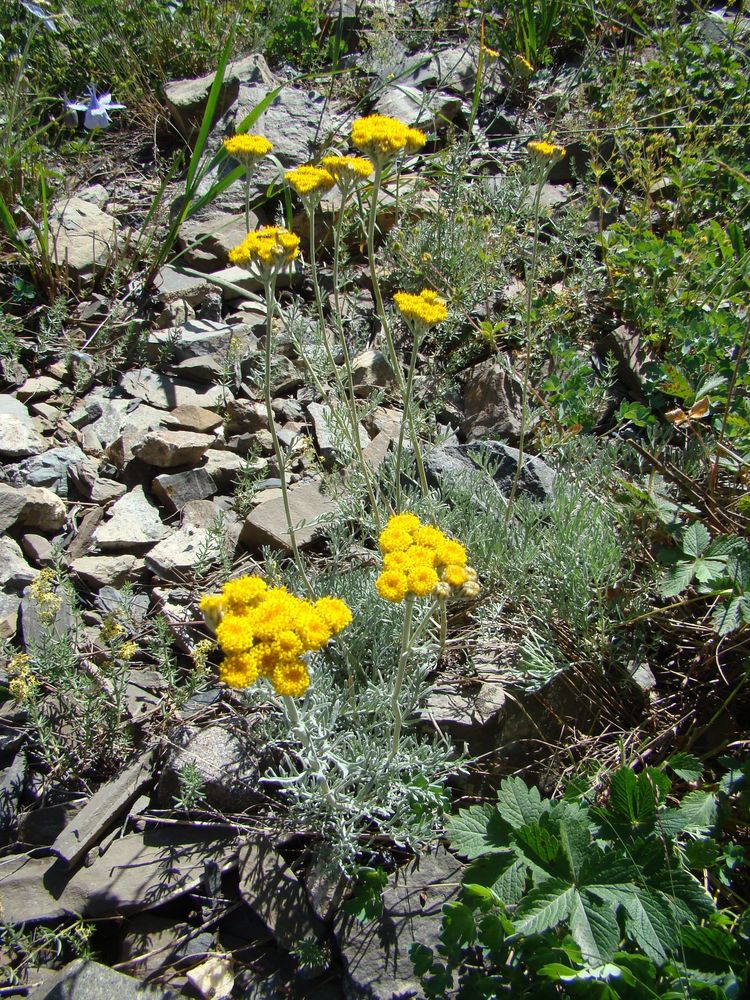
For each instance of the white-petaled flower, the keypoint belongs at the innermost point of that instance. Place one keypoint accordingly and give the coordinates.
(38, 11)
(97, 110)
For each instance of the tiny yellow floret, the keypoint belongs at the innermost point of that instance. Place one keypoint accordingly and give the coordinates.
(392, 585)
(489, 54)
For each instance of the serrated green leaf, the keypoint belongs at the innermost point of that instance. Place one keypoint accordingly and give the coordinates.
(575, 838)
(726, 616)
(421, 958)
(695, 539)
(502, 872)
(594, 928)
(686, 766)
(696, 813)
(633, 798)
(476, 831)
(713, 943)
(518, 804)
(537, 843)
(676, 579)
(701, 854)
(650, 923)
(458, 928)
(687, 895)
(545, 906)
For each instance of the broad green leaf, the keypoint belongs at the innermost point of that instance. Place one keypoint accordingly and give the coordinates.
(595, 929)
(686, 766)
(493, 928)
(676, 579)
(700, 854)
(695, 539)
(631, 797)
(518, 804)
(502, 872)
(696, 813)
(650, 923)
(711, 942)
(686, 894)
(575, 838)
(458, 927)
(476, 830)
(477, 896)
(726, 616)
(538, 843)
(544, 906)
(421, 958)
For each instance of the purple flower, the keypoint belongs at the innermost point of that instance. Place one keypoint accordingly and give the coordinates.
(41, 13)
(96, 110)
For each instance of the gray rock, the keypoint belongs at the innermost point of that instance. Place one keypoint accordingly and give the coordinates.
(227, 764)
(38, 549)
(203, 369)
(134, 524)
(376, 954)
(104, 491)
(333, 445)
(427, 110)
(171, 449)
(30, 507)
(84, 979)
(15, 572)
(176, 555)
(83, 542)
(196, 338)
(49, 469)
(187, 99)
(82, 237)
(273, 892)
(214, 235)
(12, 783)
(370, 371)
(224, 467)
(37, 388)
(131, 608)
(175, 313)
(492, 403)
(9, 607)
(12, 407)
(19, 436)
(182, 487)
(245, 416)
(37, 629)
(267, 524)
(107, 571)
(455, 463)
(40, 826)
(165, 393)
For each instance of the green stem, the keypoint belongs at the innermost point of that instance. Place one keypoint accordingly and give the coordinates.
(247, 201)
(443, 627)
(270, 290)
(407, 416)
(403, 658)
(304, 737)
(530, 282)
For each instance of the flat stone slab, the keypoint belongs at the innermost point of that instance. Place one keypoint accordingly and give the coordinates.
(19, 438)
(107, 571)
(171, 449)
(30, 507)
(86, 980)
(134, 525)
(82, 237)
(267, 524)
(166, 393)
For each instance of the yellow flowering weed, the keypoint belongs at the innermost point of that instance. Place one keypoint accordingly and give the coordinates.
(381, 137)
(546, 150)
(347, 170)
(270, 248)
(425, 309)
(248, 148)
(309, 180)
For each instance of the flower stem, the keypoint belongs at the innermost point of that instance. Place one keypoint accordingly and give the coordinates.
(270, 290)
(418, 333)
(247, 200)
(303, 736)
(403, 658)
(530, 282)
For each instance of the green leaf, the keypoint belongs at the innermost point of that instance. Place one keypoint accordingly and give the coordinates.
(650, 922)
(595, 929)
(476, 831)
(676, 579)
(493, 928)
(696, 813)
(695, 539)
(726, 616)
(458, 929)
(502, 872)
(518, 804)
(632, 797)
(575, 838)
(421, 958)
(544, 906)
(210, 110)
(686, 894)
(538, 844)
(712, 943)
(686, 766)
(701, 854)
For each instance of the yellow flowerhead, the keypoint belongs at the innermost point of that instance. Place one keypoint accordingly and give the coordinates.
(240, 670)
(397, 560)
(394, 539)
(523, 66)
(404, 522)
(546, 151)
(290, 679)
(490, 55)
(248, 148)
(243, 593)
(382, 138)
(268, 250)
(347, 170)
(421, 580)
(334, 612)
(424, 310)
(451, 553)
(309, 181)
(392, 585)
(455, 575)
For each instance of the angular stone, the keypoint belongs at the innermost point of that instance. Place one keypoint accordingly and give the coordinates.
(36, 630)
(104, 491)
(193, 418)
(267, 524)
(9, 608)
(19, 437)
(166, 393)
(40, 387)
(370, 371)
(30, 507)
(38, 549)
(244, 415)
(177, 490)
(224, 467)
(15, 572)
(376, 954)
(83, 540)
(49, 469)
(226, 762)
(333, 445)
(107, 571)
(171, 449)
(215, 234)
(10, 406)
(492, 404)
(134, 524)
(415, 107)
(274, 893)
(84, 979)
(102, 809)
(455, 463)
(82, 237)
(176, 555)
(195, 338)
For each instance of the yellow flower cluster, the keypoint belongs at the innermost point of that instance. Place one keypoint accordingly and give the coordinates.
(522, 64)
(23, 683)
(42, 590)
(309, 180)
(265, 632)
(546, 150)
(270, 248)
(425, 309)
(248, 148)
(490, 54)
(347, 169)
(419, 559)
(381, 137)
